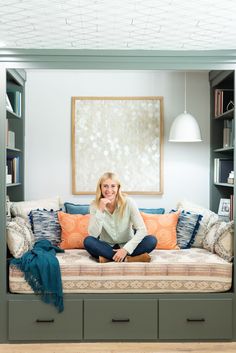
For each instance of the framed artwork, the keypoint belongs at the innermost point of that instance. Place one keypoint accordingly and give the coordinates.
(224, 207)
(121, 135)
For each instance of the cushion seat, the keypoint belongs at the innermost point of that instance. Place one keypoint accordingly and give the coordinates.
(188, 270)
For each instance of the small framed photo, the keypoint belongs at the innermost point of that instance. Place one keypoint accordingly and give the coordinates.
(224, 207)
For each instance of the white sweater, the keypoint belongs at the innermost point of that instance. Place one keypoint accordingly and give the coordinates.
(114, 229)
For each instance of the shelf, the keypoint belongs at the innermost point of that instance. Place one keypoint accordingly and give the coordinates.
(224, 184)
(12, 115)
(229, 114)
(11, 149)
(13, 184)
(224, 149)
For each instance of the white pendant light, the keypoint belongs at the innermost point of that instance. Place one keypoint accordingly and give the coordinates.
(185, 127)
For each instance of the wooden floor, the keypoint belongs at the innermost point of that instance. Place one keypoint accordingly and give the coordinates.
(119, 348)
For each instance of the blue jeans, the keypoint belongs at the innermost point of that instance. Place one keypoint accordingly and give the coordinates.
(96, 247)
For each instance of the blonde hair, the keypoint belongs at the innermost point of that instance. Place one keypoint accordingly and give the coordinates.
(120, 197)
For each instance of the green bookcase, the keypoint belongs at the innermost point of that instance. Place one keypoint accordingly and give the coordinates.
(222, 136)
(15, 123)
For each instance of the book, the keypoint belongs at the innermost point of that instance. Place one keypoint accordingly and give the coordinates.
(232, 136)
(227, 134)
(7, 129)
(15, 101)
(216, 170)
(18, 103)
(11, 139)
(8, 178)
(17, 169)
(231, 212)
(217, 101)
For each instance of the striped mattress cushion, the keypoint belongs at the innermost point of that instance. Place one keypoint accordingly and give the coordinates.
(188, 270)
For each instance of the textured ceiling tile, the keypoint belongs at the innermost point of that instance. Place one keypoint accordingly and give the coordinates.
(123, 24)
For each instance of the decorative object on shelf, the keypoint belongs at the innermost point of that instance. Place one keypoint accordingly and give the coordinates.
(185, 127)
(230, 105)
(230, 179)
(224, 207)
(8, 176)
(8, 104)
(106, 132)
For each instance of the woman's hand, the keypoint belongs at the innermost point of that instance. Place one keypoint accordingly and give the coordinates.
(119, 255)
(102, 203)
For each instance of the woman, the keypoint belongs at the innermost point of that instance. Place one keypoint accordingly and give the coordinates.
(114, 216)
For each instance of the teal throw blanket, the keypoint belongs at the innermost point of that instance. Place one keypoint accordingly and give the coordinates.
(42, 272)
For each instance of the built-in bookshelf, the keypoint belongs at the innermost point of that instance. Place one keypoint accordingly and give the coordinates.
(15, 135)
(222, 138)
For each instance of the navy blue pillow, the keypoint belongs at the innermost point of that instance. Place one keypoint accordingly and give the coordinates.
(76, 208)
(186, 229)
(152, 210)
(45, 225)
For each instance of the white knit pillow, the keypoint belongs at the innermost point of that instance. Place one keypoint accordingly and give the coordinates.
(19, 236)
(23, 208)
(224, 244)
(211, 236)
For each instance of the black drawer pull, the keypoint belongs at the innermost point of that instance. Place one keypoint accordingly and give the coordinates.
(45, 321)
(120, 320)
(196, 320)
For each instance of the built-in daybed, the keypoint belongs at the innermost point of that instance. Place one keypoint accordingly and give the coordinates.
(181, 294)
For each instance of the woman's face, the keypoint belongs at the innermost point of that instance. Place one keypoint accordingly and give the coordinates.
(109, 189)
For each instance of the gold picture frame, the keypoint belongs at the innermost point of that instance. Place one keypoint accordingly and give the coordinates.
(118, 134)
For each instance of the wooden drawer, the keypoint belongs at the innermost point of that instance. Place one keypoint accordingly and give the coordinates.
(35, 320)
(195, 319)
(123, 319)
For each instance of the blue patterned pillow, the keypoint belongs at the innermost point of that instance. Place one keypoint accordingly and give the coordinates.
(187, 226)
(45, 225)
(152, 210)
(76, 208)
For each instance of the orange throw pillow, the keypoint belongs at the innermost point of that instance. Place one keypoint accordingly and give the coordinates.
(74, 229)
(163, 226)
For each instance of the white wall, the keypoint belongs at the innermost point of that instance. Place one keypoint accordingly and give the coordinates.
(48, 130)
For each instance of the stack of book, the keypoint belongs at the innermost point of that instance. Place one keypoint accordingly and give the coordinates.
(13, 170)
(228, 134)
(223, 98)
(231, 210)
(10, 137)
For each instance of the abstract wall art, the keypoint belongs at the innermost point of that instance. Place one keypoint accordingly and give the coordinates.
(121, 135)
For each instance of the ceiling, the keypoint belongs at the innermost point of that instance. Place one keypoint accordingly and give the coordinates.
(118, 24)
